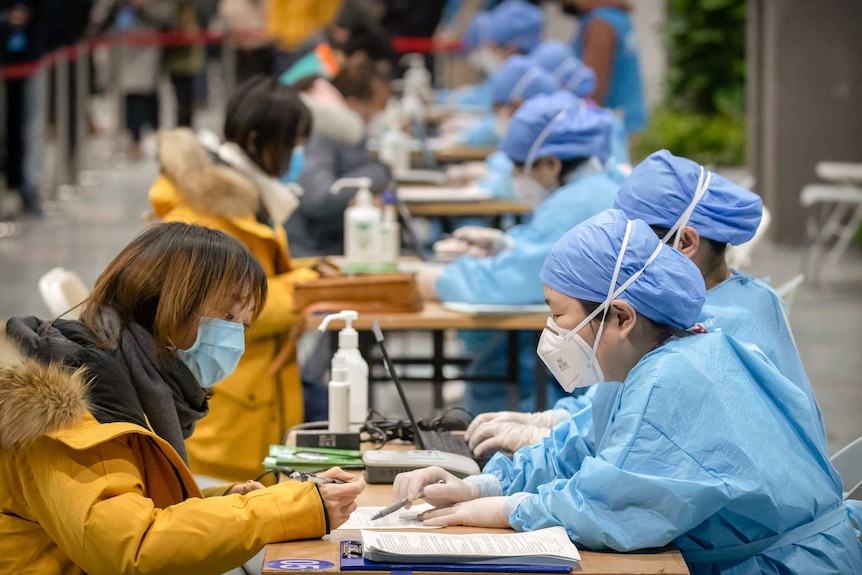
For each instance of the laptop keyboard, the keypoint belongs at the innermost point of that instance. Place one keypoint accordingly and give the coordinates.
(442, 440)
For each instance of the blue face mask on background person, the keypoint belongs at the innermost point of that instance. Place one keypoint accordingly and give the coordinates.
(297, 164)
(216, 351)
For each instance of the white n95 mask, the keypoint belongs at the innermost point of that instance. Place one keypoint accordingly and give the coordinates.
(568, 357)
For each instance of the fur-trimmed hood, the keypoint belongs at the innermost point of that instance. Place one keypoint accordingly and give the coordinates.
(36, 399)
(206, 186)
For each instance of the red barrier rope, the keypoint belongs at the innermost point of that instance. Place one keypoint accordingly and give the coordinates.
(177, 38)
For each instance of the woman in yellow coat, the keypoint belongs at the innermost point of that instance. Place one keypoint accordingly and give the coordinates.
(233, 187)
(93, 415)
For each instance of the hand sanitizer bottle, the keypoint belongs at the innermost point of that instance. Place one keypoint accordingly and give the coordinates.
(361, 227)
(339, 397)
(390, 235)
(354, 363)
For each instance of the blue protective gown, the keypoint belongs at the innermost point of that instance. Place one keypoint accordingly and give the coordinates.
(625, 91)
(512, 277)
(498, 176)
(749, 310)
(482, 133)
(705, 445)
(472, 97)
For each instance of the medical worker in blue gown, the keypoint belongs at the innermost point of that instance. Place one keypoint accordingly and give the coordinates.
(574, 75)
(512, 27)
(558, 146)
(515, 82)
(703, 444)
(699, 213)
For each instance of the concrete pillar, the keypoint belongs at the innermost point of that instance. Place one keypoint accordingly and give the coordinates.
(804, 98)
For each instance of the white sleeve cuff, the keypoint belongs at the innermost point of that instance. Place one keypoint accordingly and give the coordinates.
(513, 501)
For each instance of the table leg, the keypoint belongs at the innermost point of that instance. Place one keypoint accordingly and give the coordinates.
(541, 379)
(513, 391)
(438, 361)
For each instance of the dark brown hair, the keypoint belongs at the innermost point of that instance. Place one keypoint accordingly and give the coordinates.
(660, 331)
(266, 118)
(172, 273)
(715, 257)
(357, 80)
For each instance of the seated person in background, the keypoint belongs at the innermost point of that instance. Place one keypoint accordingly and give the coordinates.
(559, 146)
(517, 80)
(704, 444)
(317, 226)
(558, 59)
(233, 186)
(512, 27)
(94, 412)
(706, 213)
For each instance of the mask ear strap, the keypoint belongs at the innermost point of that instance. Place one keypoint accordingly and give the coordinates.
(523, 83)
(543, 135)
(703, 182)
(611, 290)
(568, 64)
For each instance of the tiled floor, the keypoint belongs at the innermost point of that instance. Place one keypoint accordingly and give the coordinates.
(86, 231)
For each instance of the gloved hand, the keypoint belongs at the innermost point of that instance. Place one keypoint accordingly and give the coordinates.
(469, 172)
(491, 240)
(506, 436)
(449, 249)
(484, 512)
(428, 481)
(548, 418)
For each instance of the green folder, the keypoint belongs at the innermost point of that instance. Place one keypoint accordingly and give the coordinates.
(312, 458)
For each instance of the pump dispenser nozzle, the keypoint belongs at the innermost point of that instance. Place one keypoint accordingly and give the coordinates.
(363, 183)
(348, 338)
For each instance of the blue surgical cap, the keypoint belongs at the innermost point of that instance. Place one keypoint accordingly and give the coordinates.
(518, 23)
(558, 59)
(560, 125)
(477, 32)
(661, 187)
(520, 79)
(670, 291)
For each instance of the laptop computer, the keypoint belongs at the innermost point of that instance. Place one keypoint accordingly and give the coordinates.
(436, 439)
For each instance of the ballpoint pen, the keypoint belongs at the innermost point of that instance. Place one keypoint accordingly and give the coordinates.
(312, 478)
(399, 504)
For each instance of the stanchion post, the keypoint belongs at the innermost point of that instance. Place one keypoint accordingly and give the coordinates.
(228, 60)
(61, 121)
(80, 160)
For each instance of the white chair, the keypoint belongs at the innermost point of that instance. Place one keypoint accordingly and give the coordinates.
(848, 462)
(739, 257)
(62, 291)
(788, 290)
(841, 205)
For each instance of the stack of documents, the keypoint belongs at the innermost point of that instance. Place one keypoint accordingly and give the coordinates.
(549, 546)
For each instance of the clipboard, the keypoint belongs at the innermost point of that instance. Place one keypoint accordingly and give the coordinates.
(351, 559)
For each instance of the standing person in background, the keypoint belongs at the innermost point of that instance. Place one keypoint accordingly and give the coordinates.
(93, 414)
(233, 186)
(290, 22)
(606, 43)
(140, 66)
(317, 227)
(246, 20)
(23, 40)
(185, 62)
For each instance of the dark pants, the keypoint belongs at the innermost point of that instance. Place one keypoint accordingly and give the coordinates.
(184, 90)
(253, 62)
(141, 110)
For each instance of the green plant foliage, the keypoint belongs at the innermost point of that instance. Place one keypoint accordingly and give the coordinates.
(704, 113)
(716, 139)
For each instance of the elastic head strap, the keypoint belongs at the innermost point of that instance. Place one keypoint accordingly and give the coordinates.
(703, 182)
(522, 84)
(543, 135)
(567, 65)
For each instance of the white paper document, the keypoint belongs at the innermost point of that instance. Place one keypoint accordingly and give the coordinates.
(401, 519)
(442, 194)
(544, 546)
(491, 309)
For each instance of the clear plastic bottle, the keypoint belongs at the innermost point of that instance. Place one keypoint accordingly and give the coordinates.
(355, 365)
(361, 227)
(390, 235)
(395, 143)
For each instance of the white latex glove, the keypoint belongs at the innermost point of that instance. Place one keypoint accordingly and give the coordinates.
(506, 436)
(426, 277)
(428, 482)
(484, 512)
(468, 172)
(548, 418)
(489, 239)
(449, 249)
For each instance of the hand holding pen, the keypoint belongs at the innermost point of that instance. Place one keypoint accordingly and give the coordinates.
(312, 478)
(399, 504)
(435, 485)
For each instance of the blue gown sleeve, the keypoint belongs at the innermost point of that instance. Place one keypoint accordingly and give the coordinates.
(481, 134)
(469, 97)
(498, 176)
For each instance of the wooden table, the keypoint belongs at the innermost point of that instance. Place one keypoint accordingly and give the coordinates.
(457, 209)
(436, 319)
(327, 549)
(462, 153)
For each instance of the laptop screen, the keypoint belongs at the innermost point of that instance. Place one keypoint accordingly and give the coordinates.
(378, 337)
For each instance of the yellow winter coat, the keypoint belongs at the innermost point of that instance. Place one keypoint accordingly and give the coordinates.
(78, 496)
(249, 410)
(290, 22)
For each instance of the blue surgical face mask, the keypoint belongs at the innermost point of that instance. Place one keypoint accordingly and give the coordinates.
(216, 351)
(297, 164)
